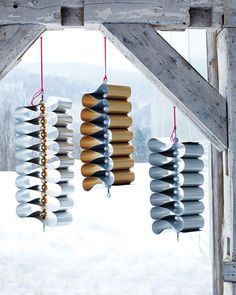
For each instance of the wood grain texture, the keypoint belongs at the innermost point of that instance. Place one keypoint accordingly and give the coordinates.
(229, 13)
(165, 14)
(14, 42)
(229, 271)
(226, 44)
(172, 74)
(31, 12)
(161, 13)
(216, 180)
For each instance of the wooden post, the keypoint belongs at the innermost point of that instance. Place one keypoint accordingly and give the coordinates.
(226, 47)
(216, 182)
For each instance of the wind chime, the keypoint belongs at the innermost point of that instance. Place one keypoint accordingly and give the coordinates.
(176, 184)
(106, 150)
(44, 157)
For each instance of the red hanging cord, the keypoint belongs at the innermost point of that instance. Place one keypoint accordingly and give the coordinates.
(173, 136)
(41, 91)
(105, 60)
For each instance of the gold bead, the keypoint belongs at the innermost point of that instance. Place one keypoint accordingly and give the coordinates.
(42, 108)
(43, 121)
(43, 147)
(43, 161)
(44, 201)
(44, 187)
(44, 174)
(43, 133)
(43, 215)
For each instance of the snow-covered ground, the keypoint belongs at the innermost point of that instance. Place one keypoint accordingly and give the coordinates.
(108, 250)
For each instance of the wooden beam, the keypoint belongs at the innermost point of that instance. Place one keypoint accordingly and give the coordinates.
(226, 43)
(229, 13)
(31, 12)
(171, 73)
(165, 14)
(14, 42)
(229, 273)
(216, 179)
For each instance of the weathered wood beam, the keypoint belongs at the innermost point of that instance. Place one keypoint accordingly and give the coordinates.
(14, 42)
(229, 271)
(165, 14)
(31, 12)
(171, 73)
(216, 180)
(229, 13)
(226, 43)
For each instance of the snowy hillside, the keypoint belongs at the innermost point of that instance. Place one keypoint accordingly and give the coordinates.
(108, 250)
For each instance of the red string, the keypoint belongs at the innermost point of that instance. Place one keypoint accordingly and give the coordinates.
(105, 60)
(173, 137)
(41, 91)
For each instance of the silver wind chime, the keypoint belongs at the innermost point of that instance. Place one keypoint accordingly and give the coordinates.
(176, 186)
(44, 157)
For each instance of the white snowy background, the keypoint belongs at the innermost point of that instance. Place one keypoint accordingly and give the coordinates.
(109, 249)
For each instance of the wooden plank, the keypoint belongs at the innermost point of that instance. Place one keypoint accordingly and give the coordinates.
(31, 12)
(172, 74)
(229, 13)
(166, 14)
(14, 42)
(216, 179)
(229, 273)
(226, 44)
(72, 3)
(162, 13)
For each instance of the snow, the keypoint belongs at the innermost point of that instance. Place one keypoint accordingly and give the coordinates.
(109, 249)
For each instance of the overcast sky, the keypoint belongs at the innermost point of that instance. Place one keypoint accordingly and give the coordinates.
(78, 45)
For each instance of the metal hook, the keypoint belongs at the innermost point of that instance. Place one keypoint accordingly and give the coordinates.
(177, 237)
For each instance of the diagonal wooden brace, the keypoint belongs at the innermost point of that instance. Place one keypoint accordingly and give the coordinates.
(172, 74)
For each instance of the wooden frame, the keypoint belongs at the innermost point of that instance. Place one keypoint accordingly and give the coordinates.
(131, 25)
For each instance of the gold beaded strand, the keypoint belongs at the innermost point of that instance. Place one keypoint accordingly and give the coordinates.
(43, 135)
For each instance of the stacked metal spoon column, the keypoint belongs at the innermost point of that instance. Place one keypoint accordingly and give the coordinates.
(107, 152)
(176, 186)
(44, 148)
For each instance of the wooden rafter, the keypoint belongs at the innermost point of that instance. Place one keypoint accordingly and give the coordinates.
(165, 14)
(14, 42)
(185, 87)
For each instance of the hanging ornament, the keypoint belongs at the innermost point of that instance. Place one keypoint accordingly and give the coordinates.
(44, 148)
(106, 135)
(176, 184)
(44, 159)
